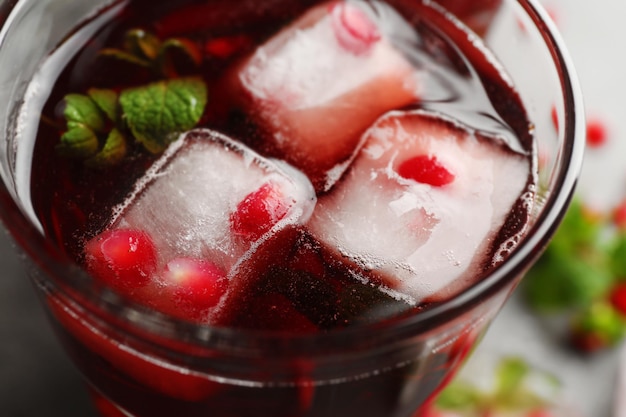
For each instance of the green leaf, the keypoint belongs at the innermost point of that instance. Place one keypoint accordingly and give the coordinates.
(618, 257)
(167, 57)
(601, 320)
(112, 153)
(459, 396)
(78, 142)
(510, 374)
(82, 111)
(106, 100)
(156, 113)
(575, 268)
(560, 281)
(142, 44)
(125, 56)
(578, 232)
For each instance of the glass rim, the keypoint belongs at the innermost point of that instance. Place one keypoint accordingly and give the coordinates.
(50, 259)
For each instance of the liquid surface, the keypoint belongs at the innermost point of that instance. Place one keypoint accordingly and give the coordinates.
(355, 236)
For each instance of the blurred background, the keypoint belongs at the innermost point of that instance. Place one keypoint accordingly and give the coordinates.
(37, 380)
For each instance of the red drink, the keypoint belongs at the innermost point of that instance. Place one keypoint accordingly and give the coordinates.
(364, 180)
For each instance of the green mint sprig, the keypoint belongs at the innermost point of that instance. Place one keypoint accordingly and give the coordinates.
(102, 123)
(146, 50)
(512, 391)
(579, 276)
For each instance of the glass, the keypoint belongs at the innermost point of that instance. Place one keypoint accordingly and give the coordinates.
(143, 364)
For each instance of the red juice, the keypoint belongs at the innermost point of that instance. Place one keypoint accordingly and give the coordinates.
(327, 178)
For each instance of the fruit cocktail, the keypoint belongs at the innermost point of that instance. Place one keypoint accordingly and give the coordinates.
(285, 208)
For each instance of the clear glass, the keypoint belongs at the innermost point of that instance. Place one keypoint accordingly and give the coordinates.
(143, 364)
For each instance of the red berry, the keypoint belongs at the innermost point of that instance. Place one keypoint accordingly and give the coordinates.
(197, 284)
(539, 413)
(597, 134)
(587, 342)
(618, 297)
(123, 259)
(354, 30)
(425, 169)
(619, 216)
(227, 46)
(258, 212)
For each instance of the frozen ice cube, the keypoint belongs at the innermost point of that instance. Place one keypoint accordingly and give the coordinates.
(209, 197)
(422, 203)
(318, 84)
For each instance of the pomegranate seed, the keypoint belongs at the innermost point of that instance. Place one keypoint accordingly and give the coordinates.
(354, 30)
(588, 342)
(554, 115)
(258, 212)
(619, 216)
(123, 259)
(425, 169)
(540, 413)
(618, 297)
(226, 47)
(597, 134)
(197, 284)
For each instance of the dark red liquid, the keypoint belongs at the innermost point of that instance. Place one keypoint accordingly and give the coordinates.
(313, 290)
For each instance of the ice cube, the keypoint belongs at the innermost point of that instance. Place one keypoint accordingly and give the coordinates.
(422, 203)
(210, 199)
(317, 85)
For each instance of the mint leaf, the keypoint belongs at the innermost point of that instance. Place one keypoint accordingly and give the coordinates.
(560, 281)
(142, 44)
(174, 50)
(147, 50)
(156, 113)
(81, 112)
(578, 232)
(113, 151)
(575, 268)
(618, 257)
(78, 142)
(459, 396)
(106, 100)
(126, 56)
(602, 321)
(510, 374)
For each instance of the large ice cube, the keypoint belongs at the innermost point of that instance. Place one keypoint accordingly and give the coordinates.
(317, 85)
(206, 206)
(422, 203)
(190, 199)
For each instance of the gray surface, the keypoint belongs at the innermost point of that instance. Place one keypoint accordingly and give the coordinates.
(36, 378)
